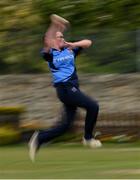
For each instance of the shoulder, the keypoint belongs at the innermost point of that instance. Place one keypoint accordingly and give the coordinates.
(47, 55)
(43, 51)
(77, 50)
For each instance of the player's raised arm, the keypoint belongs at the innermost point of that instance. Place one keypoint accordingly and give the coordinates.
(57, 24)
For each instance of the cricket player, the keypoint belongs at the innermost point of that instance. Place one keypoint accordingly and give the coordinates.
(60, 56)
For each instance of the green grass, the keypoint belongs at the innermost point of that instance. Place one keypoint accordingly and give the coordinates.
(71, 161)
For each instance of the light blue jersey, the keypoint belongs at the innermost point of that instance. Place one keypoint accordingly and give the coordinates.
(62, 64)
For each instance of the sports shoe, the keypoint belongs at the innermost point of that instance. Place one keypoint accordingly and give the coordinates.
(93, 143)
(33, 146)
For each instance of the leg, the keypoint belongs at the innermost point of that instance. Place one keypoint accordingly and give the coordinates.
(62, 127)
(79, 99)
(38, 138)
(91, 118)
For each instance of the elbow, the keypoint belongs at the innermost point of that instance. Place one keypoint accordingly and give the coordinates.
(88, 43)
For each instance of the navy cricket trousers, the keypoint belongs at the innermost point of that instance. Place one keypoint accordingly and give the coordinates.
(72, 97)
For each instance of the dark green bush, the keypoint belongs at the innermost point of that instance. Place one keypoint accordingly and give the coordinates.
(8, 135)
(12, 110)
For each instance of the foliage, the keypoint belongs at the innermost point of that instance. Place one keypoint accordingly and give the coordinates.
(12, 110)
(113, 25)
(9, 135)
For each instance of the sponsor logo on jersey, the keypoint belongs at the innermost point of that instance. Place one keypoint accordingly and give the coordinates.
(64, 58)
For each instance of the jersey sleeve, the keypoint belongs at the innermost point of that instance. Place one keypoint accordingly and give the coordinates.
(77, 51)
(46, 55)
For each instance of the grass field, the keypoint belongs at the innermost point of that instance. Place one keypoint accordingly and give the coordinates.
(72, 161)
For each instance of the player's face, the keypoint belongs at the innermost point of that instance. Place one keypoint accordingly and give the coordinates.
(60, 39)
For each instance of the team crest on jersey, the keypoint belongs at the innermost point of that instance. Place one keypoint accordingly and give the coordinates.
(74, 89)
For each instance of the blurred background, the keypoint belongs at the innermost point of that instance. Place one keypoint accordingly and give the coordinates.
(108, 71)
(113, 25)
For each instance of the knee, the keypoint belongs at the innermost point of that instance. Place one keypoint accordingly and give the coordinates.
(65, 126)
(93, 106)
